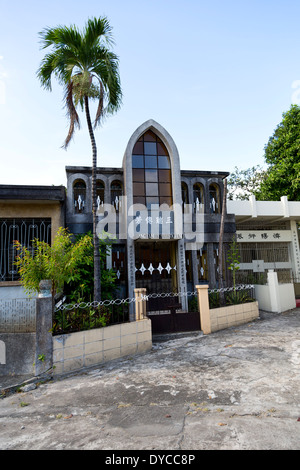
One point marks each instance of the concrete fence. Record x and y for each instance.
(214, 319)
(275, 297)
(28, 347)
(25, 336)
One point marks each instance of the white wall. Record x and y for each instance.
(275, 297)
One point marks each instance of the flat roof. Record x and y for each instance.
(187, 173)
(27, 192)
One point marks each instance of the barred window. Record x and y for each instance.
(24, 231)
(214, 195)
(116, 191)
(79, 193)
(269, 252)
(198, 196)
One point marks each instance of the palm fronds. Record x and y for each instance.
(76, 61)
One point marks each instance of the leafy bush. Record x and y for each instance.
(57, 262)
(81, 287)
(78, 319)
(232, 297)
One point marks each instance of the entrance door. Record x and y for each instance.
(156, 271)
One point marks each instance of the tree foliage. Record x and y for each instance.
(63, 262)
(233, 257)
(84, 65)
(56, 262)
(81, 287)
(282, 155)
(282, 158)
(244, 183)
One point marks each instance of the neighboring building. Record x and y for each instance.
(268, 234)
(26, 212)
(166, 220)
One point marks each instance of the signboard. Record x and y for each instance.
(263, 236)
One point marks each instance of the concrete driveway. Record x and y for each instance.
(235, 389)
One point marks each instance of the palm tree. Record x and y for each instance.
(84, 65)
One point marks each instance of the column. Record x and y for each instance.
(131, 276)
(203, 303)
(211, 266)
(140, 303)
(44, 341)
(181, 273)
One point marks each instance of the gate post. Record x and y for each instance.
(203, 304)
(44, 341)
(140, 303)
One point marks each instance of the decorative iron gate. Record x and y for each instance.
(157, 272)
(23, 230)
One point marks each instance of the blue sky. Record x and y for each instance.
(216, 74)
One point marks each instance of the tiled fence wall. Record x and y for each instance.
(86, 348)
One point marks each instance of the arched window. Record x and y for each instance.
(151, 171)
(198, 198)
(99, 194)
(79, 195)
(214, 199)
(116, 192)
(184, 195)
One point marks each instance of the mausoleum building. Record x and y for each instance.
(164, 220)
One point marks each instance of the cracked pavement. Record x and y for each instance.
(236, 389)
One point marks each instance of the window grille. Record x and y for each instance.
(116, 193)
(269, 252)
(79, 193)
(198, 196)
(24, 231)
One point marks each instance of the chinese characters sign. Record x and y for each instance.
(263, 236)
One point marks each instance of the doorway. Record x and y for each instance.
(156, 270)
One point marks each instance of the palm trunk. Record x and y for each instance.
(97, 268)
(222, 297)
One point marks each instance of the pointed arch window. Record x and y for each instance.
(151, 171)
(79, 196)
(198, 198)
(116, 191)
(214, 199)
(99, 194)
(184, 195)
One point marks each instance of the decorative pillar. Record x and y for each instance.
(131, 276)
(211, 265)
(274, 291)
(203, 304)
(140, 303)
(44, 342)
(181, 272)
(295, 251)
(195, 267)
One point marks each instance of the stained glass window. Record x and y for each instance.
(151, 171)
